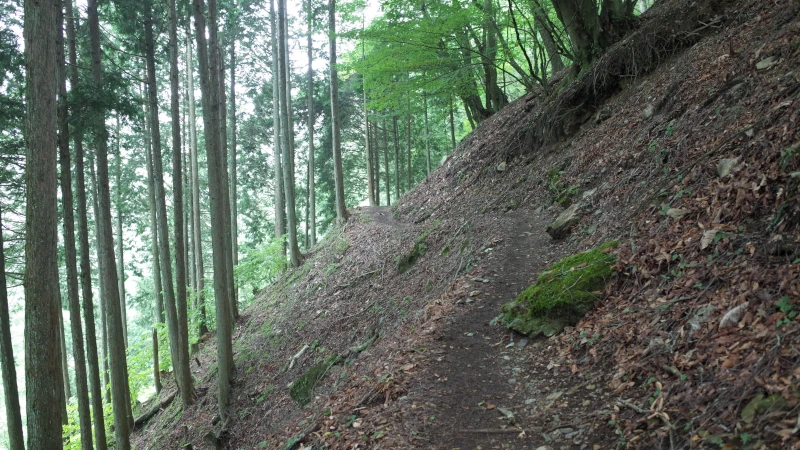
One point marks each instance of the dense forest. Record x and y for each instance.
(162, 162)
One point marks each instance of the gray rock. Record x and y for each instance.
(561, 227)
(767, 63)
(501, 167)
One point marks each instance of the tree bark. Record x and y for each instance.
(543, 26)
(198, 228)
(311, 216)
(120, 259)
(178, 346)
(408, 143)
(338, 174)
(64, 365)
(119, 367)
(277, 144)
(70, 252)
(386, 164)
(185, 383)
(16, 440)
(226, 200)
(85, 265)
(288, 161)
(234, 177)
(427, 135)
(42, 364)
(396, 160)
(209, 81)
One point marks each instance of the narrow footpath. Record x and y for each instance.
(487, 387)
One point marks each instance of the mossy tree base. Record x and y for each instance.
(562, 294)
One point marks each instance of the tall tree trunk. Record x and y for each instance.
(234, 177)
(277, 144)
(151, 200)
(64, 365)
(101, 283)
(386, 164)
(495, 97)
(42, 365)
(179, 352)
(16, 440)
(545, 31)
(582, 24)
(396, 160)
(375, 161)
(120, 259)
(85, 265)
(208, 83)
(119, 366)
(311, 216)
(338, 174)
(223, 136)
(198, 228)
(182, 319)
(427, 135)
(452, 126)
(408, 143)
(70, 252)
(288, 161)
(370, 177)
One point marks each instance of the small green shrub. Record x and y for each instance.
(562, 294)
(260, 267)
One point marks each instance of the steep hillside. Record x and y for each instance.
(682, 144)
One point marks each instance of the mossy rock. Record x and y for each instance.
(562, 294)
(302, 387)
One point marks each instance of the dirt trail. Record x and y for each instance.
(485, 385)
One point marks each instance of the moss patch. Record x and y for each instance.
(562, 294)
(405, 262)
(301, 389)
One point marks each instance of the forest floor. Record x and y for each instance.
(693, 167)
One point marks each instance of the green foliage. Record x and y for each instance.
(562, 192)
(260, 267)
(562, 294)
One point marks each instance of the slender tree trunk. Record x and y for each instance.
(277, 144)
(234, 177)
(223, 120)
(101, 283)
(180, 358)
(209, 81)
(288, 176)
(408, 143)
(96, 388)
(64, 365)
(338, 174)
(543, 26)
(120, 260)
(386, 164)
(311, 216)
(427, 135)
(370, 176)
(452, 126)
(185, 383)
(159, 298)
(396, 160)
(376, 159)
(119, 367)
(70, 253)
(16, 440)
(42, 365)
(198, 241)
